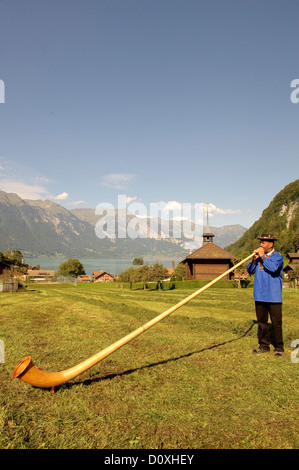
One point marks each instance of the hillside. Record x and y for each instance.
(281, 217)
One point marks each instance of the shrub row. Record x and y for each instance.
(194, 285)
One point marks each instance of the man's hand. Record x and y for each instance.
(257, 253)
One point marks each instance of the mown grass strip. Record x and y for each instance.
(189, 382)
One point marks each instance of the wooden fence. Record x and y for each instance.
(8, 286)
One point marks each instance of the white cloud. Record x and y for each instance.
(62, 196)
(130, 199)
(23, 190)
(117, 180)
(216, 210)
(25, 182)
(172, 206)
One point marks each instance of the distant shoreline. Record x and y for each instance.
(113, 266)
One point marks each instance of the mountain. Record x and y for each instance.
(44, 228)
(281, 218)
(160, 229)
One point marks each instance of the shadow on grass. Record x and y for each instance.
(96, 378)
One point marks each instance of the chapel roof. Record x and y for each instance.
(209, 251)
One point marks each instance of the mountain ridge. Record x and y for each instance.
(43, 227)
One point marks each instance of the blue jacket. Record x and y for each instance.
(268, 278)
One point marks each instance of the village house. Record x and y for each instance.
(293, 263)
(84, 278)
(170, 272)
(209, 261)
(39, 275)
(102, 276)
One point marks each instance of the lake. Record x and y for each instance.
(111, 266)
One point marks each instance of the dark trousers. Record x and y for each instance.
(263, 310)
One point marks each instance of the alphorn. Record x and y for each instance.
(27, 371)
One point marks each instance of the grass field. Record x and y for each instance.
(190, 382)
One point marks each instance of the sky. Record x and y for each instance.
(185, 102)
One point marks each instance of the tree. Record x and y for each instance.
(142, 274)
(180, 272)
(158, 274)
(7, 275)
(138, 261)
(145, 274)
(13, 257)
(128, 276)
(72, 267)
(294, 276)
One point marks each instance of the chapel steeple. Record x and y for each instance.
(207, 234)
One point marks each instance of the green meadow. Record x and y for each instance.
(190, 382)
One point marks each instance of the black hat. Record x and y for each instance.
(269, 237)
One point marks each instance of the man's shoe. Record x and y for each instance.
(260, 350)
(279, 353)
